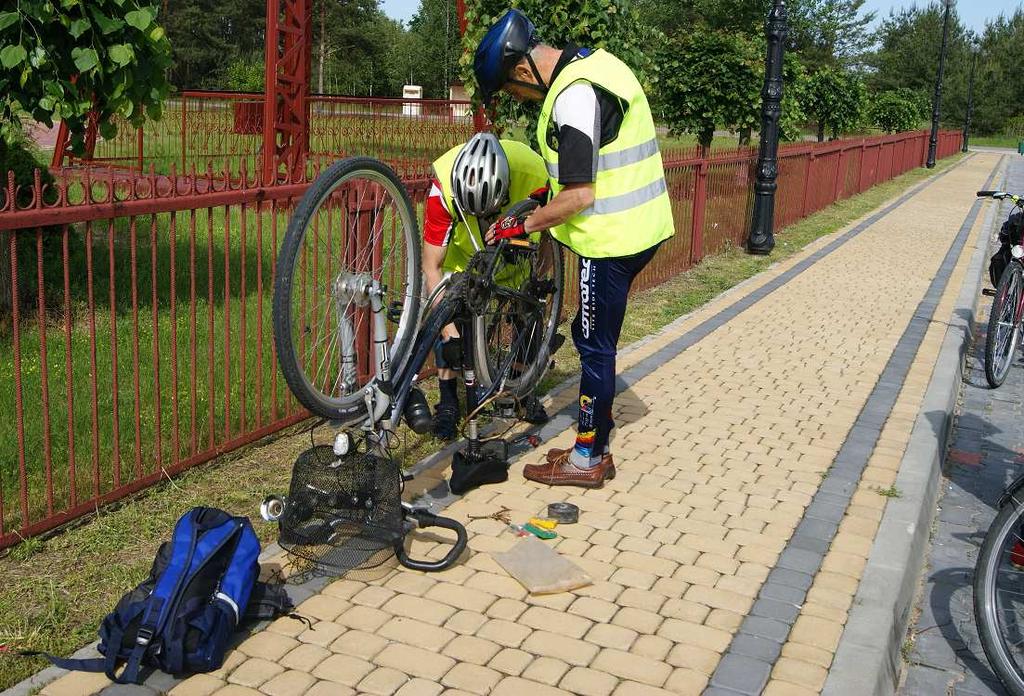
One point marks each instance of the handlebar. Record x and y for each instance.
(424, 518)
(1000, 195)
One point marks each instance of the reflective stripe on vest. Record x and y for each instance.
(631, 210)
(614, 160)
(526, 175)
(626, 201)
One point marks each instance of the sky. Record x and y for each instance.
(400, 9)
(973, 12)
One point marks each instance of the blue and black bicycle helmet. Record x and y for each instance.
(503, 46)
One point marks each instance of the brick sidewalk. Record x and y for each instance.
(720, 452)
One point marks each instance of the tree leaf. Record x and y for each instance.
(11, 56)
(7, 19)
(106, 24)
(78, 27)
(108, 130)
(121, 54)
(140, 19)
(85, 58)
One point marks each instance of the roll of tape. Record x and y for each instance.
(565, 513)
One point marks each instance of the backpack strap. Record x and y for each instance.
(183, 544)
(267, 602)
(106, 664)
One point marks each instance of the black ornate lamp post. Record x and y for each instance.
(761, 239)
(933, 141)
(970, 96)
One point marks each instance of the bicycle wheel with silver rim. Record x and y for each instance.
(1004, 325)
(354, 228)
(512, 344)
(999, 597)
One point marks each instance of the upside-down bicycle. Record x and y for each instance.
(353, 332)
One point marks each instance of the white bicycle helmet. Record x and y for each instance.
(480, 176)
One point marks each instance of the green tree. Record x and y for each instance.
(59, 60)
(908, 48)
(709, 80)
(347, 43)
(208, 35)
(998, 88)
(895, 111)
(835, 99)
(822, 32)
(435, 32)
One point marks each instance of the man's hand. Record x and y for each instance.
(506, 227)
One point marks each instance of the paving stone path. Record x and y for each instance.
(754, 438)
(985, 455)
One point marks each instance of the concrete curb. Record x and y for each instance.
(868, 658)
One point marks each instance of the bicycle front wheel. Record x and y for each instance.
(1004, 325)
(998, 597)
(512, 345)
(354, 226)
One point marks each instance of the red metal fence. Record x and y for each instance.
(135, 309)
(227, 128)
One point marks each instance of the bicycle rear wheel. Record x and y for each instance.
(507, 334)
(354, 225)
(1004, 325)
(999, 597)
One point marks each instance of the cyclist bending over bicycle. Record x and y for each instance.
(472, 183)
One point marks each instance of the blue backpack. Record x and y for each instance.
(203, 583)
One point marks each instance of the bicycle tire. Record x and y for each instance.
(487, 363)
(363, 257)
(998, 360)
(986, 608)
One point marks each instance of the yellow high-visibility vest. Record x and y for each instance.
(631, 210)
(526, 174)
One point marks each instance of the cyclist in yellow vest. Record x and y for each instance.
(610, 205)
(481, 179)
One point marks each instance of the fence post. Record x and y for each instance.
(700, 196)
(807, 185)
(839, 176)
(139, 144)
(860, 167)
(184, 128)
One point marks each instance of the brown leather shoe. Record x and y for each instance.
(562, 472)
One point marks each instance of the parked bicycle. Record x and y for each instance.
(999, 572)
(352, 332)
(1004, 321)
(999, 590)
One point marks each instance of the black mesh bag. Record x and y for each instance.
(343, 512)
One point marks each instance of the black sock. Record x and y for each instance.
(449, 392)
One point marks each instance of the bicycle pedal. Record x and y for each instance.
(988, 292)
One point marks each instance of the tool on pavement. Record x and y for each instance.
(566, 513)
(539, 532)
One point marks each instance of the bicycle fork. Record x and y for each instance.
(361, 290)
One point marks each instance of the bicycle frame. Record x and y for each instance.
(386, 395)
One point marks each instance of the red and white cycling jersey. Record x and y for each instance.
(438, 223)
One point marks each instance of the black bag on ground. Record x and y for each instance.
(203, 584)
(1009, 234)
